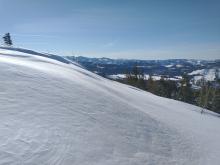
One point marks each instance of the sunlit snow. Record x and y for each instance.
(57, 113)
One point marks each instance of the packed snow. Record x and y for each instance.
(56, 113)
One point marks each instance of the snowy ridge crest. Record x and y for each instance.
(55, 112)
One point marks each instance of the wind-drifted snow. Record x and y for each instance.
(52, 112)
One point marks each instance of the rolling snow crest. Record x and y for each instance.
(54, 112)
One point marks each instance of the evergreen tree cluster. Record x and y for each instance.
(207, 97)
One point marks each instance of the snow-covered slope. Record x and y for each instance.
(207, 74)
(55, 112)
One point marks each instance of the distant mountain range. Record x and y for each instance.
(172, 68)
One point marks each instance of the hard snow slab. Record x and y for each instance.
(55, 112)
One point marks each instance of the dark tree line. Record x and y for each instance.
(207, 97)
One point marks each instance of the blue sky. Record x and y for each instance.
(138, 29)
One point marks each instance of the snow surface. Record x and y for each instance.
(196, 72)
(169, 66)
(57, 113)
(179, 66)
(208, 74)
(117, 76)
(146, 77)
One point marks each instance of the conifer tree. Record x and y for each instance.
(216, 101)
(7, 39)
(151, 85)
(185, 91)
(135, 72)
(206, 92)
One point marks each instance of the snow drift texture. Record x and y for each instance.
(55, 112)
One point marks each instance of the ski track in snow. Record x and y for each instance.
(61, 114)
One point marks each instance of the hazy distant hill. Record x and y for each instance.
(170, 68)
